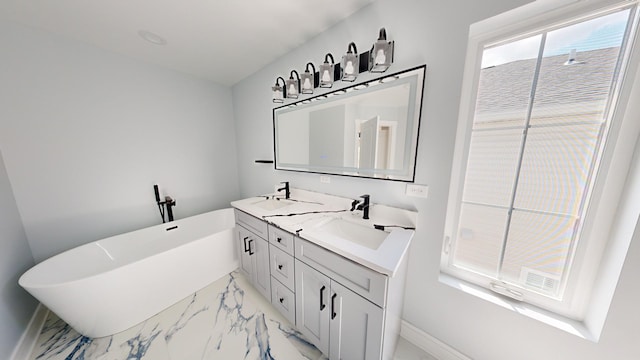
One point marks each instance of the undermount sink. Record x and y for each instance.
(362, 235)
(272, 203)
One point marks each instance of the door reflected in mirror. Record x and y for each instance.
(367, 130)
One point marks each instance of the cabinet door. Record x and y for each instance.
(261, 276)
(243, 236)
(356, 326)
(312, 305)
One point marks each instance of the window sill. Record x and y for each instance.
(571, 326)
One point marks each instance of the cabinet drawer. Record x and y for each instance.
(282, 267)
(284, 300)
(254, 224)
(367, 283)
(281, 239)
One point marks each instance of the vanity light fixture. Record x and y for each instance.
(309, 80)
(350, 63)
(381, 53)
(293, 86)
(328, 72)
(279, 92)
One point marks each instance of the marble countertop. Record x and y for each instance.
(305, 213)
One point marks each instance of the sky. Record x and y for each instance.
(603, 32)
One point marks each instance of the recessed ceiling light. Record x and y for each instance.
(152, 38)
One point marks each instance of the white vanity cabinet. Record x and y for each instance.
(338, 321)
(347, 310)
(253, 251)
(342, 307)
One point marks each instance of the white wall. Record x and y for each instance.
(86, 133)
(435, 33)
(16, 305)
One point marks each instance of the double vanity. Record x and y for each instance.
(333, 274)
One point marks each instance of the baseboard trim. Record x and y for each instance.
(429, 344)
(28, 340)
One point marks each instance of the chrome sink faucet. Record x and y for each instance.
(287, 193)
(362, 205)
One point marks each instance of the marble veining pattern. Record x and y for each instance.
(227, 320)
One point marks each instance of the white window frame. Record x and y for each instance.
(602, 241)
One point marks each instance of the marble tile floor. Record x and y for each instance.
(226, 320)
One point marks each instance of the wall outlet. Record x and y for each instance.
(325, 179)
(416, 190)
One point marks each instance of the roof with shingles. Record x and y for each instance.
(504, 90)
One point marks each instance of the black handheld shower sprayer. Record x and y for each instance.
(168, 202)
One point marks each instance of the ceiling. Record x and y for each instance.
(220, 40)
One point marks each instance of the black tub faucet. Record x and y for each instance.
(168, 202)
(362, 205)
(287, 193)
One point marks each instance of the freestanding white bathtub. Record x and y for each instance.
(110, 285)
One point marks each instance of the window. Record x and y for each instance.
(531, 157)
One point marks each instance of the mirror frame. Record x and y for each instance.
(409, 175)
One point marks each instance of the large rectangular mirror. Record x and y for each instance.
(367, 130)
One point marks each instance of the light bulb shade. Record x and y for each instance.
(293, 88)
(350, 66)
(381, 56)
(307, 83)
(326, 75)
(278, 94)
